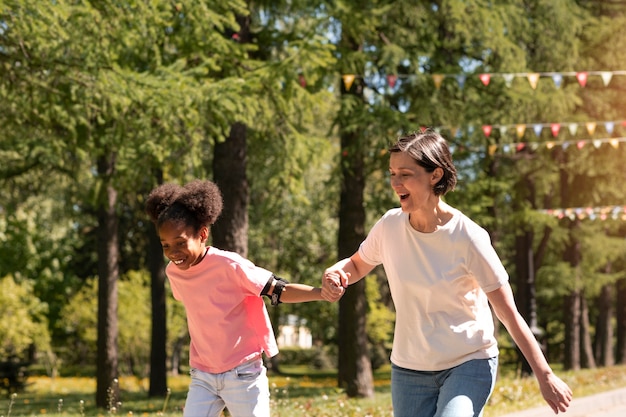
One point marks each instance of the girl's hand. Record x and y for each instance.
(333, 285)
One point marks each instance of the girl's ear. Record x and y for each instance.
(204, 233)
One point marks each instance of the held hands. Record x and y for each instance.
(556, 392)
(334, 284)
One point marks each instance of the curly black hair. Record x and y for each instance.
(198, 203)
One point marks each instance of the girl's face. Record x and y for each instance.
(181, 245)
(411, 182)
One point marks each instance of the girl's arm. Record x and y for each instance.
(556, 392)
(300, 293)
(278, 290)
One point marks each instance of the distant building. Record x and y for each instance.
(294, 333)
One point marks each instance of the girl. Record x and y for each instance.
(221, 291)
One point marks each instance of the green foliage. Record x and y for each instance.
(24, 324)
(78, 324)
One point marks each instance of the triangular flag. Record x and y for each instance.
(558, 79)
(565, 145)
(520, 129)
(503, 130)
(485, 78)
(537, 128)
(591, 127)
(508, 79)
(534, 146)
(609, 126)
(573, 127)
(550, 145)
(348, 79)
(301, 80)
(582, 78)
(555, 128)
(391, 80)
(606, 77)
(487, 130)
(438, 79)
(520, 146)
(461, 80)
(581, 144)
(614, 143)
(492, 149)
(597, 143)
(454, 131)
(533, 79)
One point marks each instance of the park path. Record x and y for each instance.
(606, 404)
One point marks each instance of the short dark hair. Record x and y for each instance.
(430, 151)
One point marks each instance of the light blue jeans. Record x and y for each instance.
(244, 390)
(461, 391)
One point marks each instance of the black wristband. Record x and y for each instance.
(279, 286)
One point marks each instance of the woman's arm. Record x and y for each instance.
(556, 392)
(345, 272)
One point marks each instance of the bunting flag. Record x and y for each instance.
(582, 77)
(592, 213)
(348, 79)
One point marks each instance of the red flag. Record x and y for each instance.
(485, 78)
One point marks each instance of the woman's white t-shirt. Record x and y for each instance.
(438, 283)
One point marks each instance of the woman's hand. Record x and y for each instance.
(334, 283)
(556, 392)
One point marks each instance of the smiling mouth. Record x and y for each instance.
(403, 196)
(178, 261)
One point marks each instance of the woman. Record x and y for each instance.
(443, 273)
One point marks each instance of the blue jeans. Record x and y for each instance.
(461, 391)
(244, 390)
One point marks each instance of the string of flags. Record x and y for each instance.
(555, 128)
(520, 146)
(592, 213)
(533, 78)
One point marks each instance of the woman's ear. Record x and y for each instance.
(436, 175)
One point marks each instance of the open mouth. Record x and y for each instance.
(403, 196)
(178, 261)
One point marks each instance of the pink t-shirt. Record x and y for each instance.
(226, 316)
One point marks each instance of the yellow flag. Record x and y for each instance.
(348, 79)
(533, 79)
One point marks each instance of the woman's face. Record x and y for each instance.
(181, 245)
(411, 182)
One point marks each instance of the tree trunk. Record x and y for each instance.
(230, 160)
(525, 292)
(621, 321)
(571, 359)
(355, 370)
(587, 359)
(604, 328)
(108, 274)
(158, 347)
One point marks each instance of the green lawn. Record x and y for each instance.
(300, 392)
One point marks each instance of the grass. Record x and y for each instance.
(300, 392)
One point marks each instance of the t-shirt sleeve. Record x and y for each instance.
(252, 278)
(484, 262)
(370, 249)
